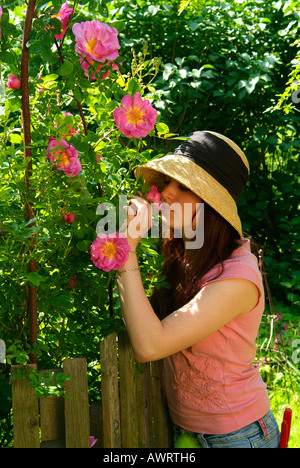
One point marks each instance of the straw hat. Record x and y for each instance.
(210, 165)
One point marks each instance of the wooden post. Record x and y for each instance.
(52, 415)
(144, 407)
(29, 212)
(25, 410)
(77, 404)
(110, 392)
(162, 427)
(96, 424)
(129, 422)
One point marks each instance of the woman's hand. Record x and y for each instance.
(139, 220)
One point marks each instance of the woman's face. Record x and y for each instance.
(180, 206)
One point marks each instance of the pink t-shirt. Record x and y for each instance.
(213, 387)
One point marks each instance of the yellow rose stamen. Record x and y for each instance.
(63, 159)
(135, 115)
(91, 45)
(109, 250)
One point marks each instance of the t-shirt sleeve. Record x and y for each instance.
(236, 268)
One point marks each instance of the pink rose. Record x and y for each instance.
(96, 41)
(69, 218)
(64, 157)
(71, 130)
(13, 82)
(63, 15)
(93, 441)
(72, 282)
(135, 117)
(154, 196)
(110, 252)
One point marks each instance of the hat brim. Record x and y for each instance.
(196, 179)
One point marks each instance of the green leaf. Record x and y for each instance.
(78, 94)
(7, 57)
(162, 128)
(15, 139)
(50, 78)
(133, 86)
(66, 68)
(35, 279)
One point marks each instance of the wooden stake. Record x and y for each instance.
(129, 421)
(110, 392)
(25, 410)
(29, 214)
(162, 427)
(77, 420)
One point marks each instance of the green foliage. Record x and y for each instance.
(75, 310)
(278, 358)
(233, 59)
(72, 294)
(44, 384)
(229, 67)
(280, 402)
(186, 441)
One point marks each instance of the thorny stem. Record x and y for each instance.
(82, 116)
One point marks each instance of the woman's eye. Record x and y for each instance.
(168, 180)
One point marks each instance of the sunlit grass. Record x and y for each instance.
(279, 402)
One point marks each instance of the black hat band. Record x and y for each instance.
(218, 159)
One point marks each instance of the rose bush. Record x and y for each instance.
(79, 159)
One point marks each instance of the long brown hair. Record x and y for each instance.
(183, 271)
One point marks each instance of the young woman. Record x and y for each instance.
(205, 324)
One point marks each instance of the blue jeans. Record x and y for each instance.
(263, 433)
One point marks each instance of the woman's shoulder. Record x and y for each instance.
(243, 254)
(242, 264)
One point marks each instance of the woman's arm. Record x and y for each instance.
(214, 306)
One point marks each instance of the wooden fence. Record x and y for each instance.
(133, 413)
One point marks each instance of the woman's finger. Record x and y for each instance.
(131, 210)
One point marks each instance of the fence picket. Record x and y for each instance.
(110, 392)
(133, 412)
(52, 414)
(77, 404)
(129, 423)
(25, 410)
(143, 401)
(162, 426)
